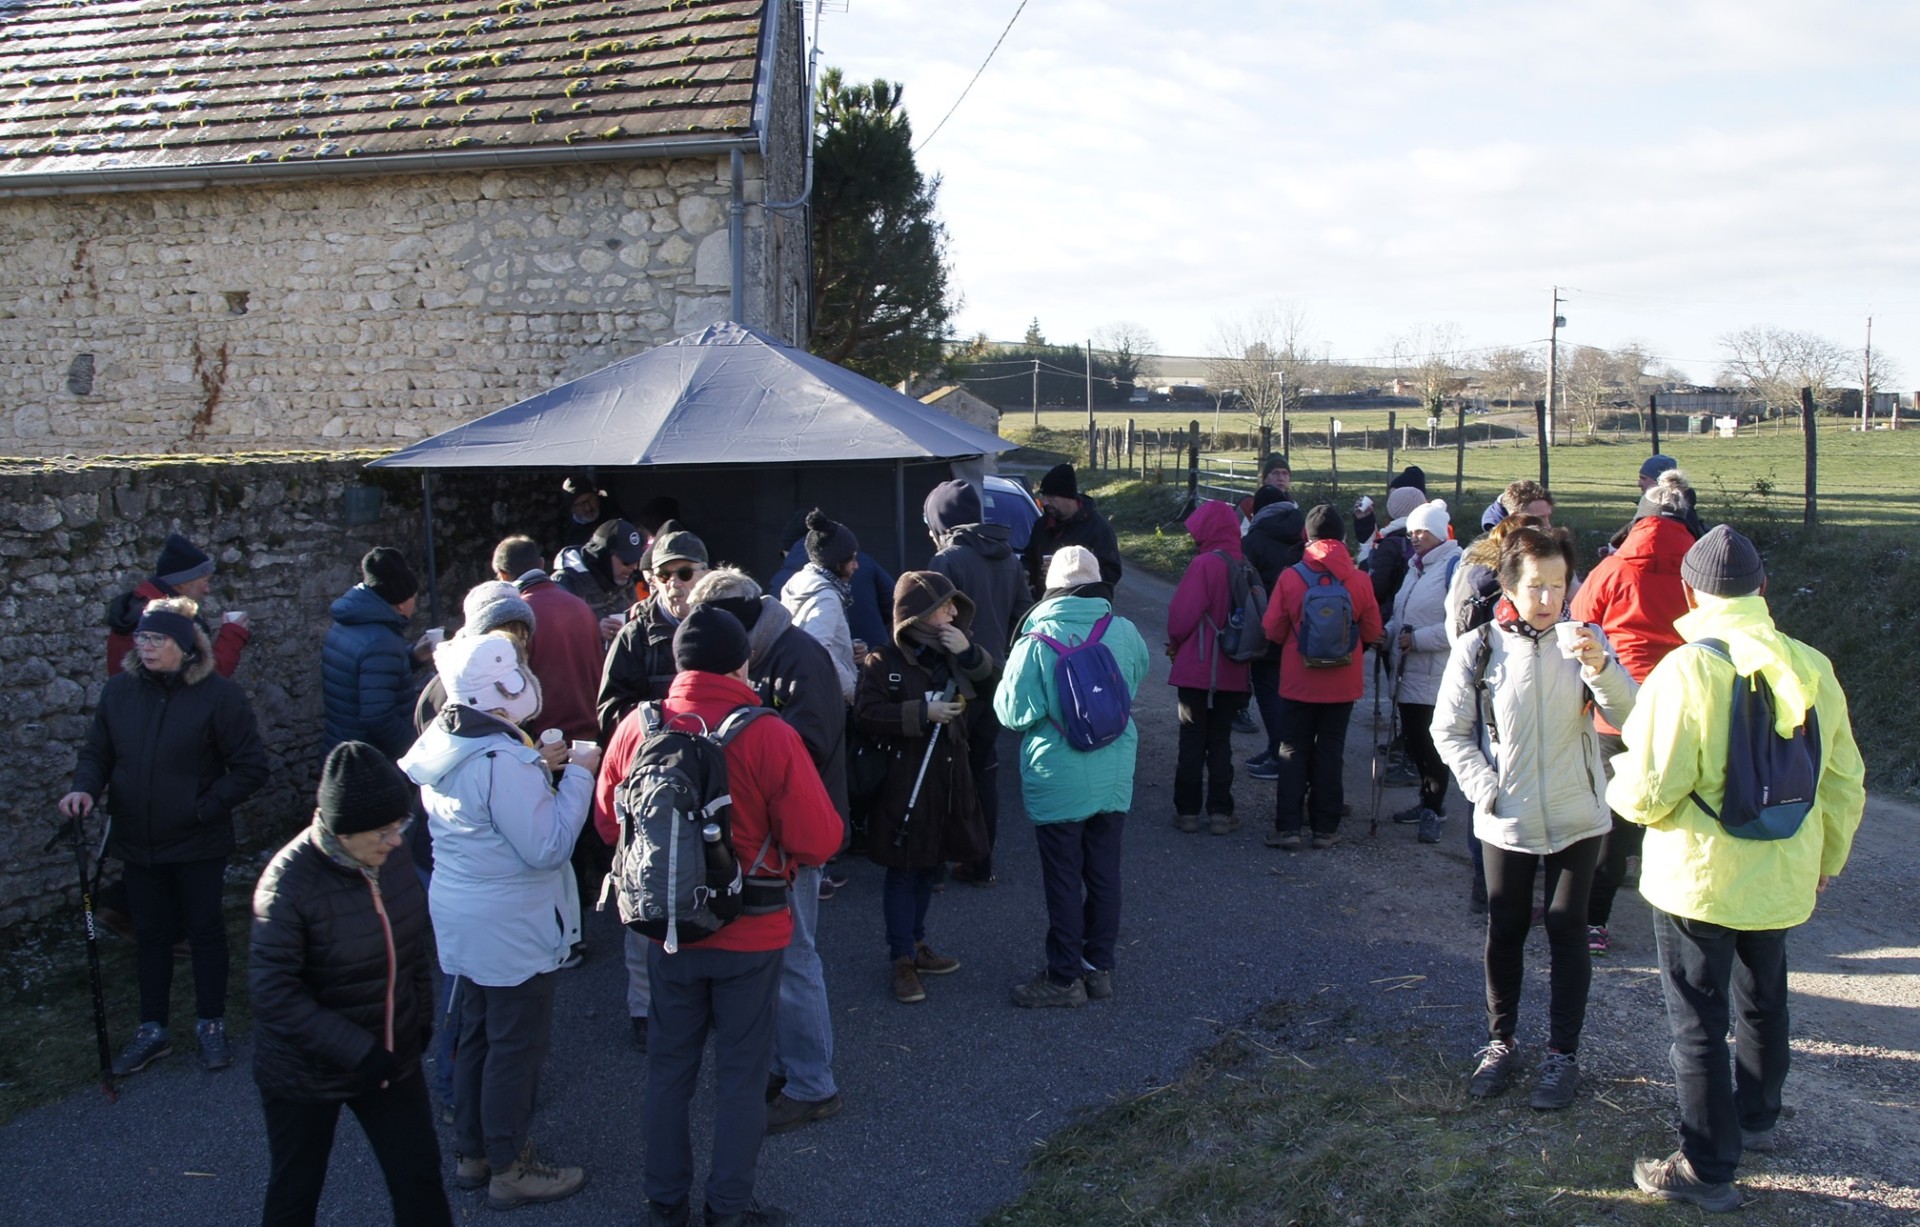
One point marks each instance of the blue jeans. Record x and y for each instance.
(1718, 1098)
(803, 1032)
(904, 897)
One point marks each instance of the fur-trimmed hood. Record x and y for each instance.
(192, 672)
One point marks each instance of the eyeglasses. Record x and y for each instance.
(684, 575)
(150, 639)
(395, 833)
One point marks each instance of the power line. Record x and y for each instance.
(976, 76)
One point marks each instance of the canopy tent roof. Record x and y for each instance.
(725, 395)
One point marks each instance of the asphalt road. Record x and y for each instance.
(945, 1099)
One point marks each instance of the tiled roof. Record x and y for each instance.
(92, 85)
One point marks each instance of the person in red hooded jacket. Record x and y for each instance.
(728, 985)
(1634, 594)
(1313, 732)
(1212, 689)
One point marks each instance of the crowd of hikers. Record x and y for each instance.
(620, 724)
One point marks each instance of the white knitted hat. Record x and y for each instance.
(1072, 566)
(1430, 516)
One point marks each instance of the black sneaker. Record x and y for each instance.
(786, 1113)
(659, 1214)
(1673, 1179)
(1263, 767)
(1495, 1070)
(1431, 826)
(1410, 815)
(149, 1044)
(1764, 1142)
(1558, 1081)
(639, 1025)
(755, 1215)
(1099, 982)
(1243, 723)
(215, 1051)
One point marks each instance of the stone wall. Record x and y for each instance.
(72, 538)
(335, 313)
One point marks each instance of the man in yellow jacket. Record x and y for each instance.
(1722, 905)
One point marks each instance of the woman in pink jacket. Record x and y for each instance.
(1213, 690)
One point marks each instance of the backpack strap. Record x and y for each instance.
(1482, 701)
(1713, 647)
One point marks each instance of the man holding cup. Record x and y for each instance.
(183, 570)
(367, 686)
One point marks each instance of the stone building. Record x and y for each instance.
(228, 225)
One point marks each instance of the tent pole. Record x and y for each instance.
(900, 509)
(433, 571)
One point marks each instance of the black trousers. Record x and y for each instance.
(164, 901)
(1623, 841)
(1313, 747)
(1510, 916)
(983, 760)
(504, 1036)
(1206, 747)
(1416, 733)
(1080, 872)
(399, 1127)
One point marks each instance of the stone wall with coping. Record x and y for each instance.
(340, 313)
(74, 537)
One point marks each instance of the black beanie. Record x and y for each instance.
(385, 573)
(361, 790)
(1324, 524)
(710, 641)
(181, 562)
(1413, 475)
(1267, 496)
(829, 545)
(1060, 482)
(1723, 563)
(745, 608)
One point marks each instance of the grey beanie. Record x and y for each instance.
(1723, 563)
(492, 605)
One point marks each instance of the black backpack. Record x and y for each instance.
(675, 876)
(1483, 594)
(1771, 780)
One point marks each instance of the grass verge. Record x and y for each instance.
(46, 1004)
(1292, 1119)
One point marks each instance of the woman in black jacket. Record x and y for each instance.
(174, 748)
(1275, 540)
(343, 994)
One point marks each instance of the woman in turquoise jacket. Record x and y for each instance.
(1077, 799)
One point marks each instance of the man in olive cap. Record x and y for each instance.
(1723, 904)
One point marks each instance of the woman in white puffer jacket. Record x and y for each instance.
(1512, 721)
(1420, 641)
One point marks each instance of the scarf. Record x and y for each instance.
(843, 586)
(338, 854)
(1508, 619)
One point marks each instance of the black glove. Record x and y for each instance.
(377, 1066)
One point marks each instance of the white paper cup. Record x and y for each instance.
(233, 615)
(1568, 635)
(619, 619)
(583, 747)
(551, 737)
(434, 635)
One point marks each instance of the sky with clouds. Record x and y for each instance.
(1683, 167)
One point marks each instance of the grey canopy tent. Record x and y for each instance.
(740, 428)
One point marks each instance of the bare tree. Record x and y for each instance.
(1432, 355)
(1773, 364)
(1516, 372)
(1263, 357)
(1129, 347)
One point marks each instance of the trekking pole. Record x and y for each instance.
(88, 885)
(913, 798)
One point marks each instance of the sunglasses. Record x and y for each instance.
(684, 575)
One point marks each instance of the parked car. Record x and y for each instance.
(1006, 500)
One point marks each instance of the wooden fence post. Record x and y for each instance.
(1392, 417)
(1459, 451)
(1540, 433)
(1653, 415)
(1333, 456)
(1193, 464)
(1807, 424)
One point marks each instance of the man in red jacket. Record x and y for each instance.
(728, 985)
(183, 569)
(1313, 728)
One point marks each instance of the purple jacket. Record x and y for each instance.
(1203, 602)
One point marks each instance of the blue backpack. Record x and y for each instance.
(1771, 780)
(1328, 631)
(1094, 700)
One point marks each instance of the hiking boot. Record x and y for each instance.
(755, 1215)
(1263, 767)
(529, 1180)
(1401, 775)
(576, 955)
(786, 1113)
(1558, 1081)
(215, 1052)
(660, 1214)
(928, 963)
(1325, 839)
(835, 871)
(1630, 876)
(1431, 824)
(973, 875)
(471, 1173)
(149, 1044)
(1764, 1142)
(639, 1026)
(1222, 824)
(1598, 940)
(1243, 723)
(826, 889)
(1286, 841)
(907, 988)
(1495, 1070)
(1042, 991)
(1186, 823)
(1673, 1179)
(1410, 815)
(1099, 983)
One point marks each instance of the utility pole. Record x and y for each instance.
(1036, 392)
(1553, 365)
(1090, 428)
(1866, 381)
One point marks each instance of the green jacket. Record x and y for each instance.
(1060, 783)
(1676, 742)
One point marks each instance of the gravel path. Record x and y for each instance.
(945, 1099)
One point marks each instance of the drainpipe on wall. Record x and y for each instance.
(737, 237)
